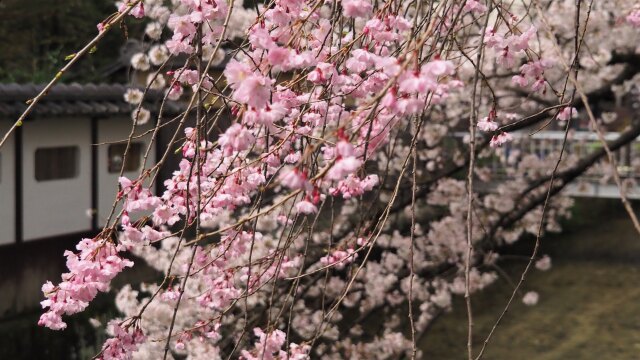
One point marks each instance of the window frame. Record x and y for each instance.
(44, 168)
(134, 157)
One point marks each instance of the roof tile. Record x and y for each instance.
(85, 99)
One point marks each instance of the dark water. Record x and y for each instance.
(22, 338)
(589, 305)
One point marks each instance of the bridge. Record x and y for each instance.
(597, 182)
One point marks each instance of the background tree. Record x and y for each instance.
(341, 189)
(37, 35)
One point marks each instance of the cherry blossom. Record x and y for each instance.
(309, 128)
(530, 298)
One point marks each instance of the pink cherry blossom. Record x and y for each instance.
(500, 139)
(294, 179)
(475, 6)
(123, 344)
(530, 298)
(254, 90)
(634, 18)
(544, 263)
(486, 125)
(339, 258)
(90, 271)
(567, 113)
(306, 207)
(356, 8)
(327, 106)
(323, 73)
(344, 167)
(236, 138)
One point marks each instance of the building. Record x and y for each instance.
(55, 179)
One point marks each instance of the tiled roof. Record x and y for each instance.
(75, 99)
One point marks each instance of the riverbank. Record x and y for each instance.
(588, 307)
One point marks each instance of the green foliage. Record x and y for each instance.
(37, 35)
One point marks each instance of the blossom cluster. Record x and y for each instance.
(90, 271)
(321, 176)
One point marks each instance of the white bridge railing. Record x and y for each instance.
(597, 181)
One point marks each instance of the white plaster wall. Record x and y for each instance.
(56, 207)
(111, 130)
(7, 187)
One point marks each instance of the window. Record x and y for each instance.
(116, 154)
(56, 163)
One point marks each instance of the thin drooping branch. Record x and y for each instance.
(473, 119)
(336, 108)
(572, 71)
(74, 58)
